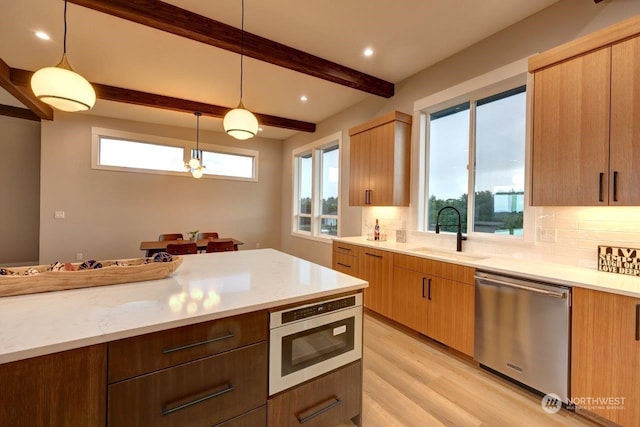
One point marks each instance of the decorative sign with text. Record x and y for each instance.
(619, 260)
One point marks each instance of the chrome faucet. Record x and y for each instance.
(459, 236)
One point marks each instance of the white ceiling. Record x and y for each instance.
(406, 35)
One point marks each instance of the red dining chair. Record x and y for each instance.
(174, 236)
(221, 246)
(182, 248)
(212, 235)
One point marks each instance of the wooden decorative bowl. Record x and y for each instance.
(112, 273)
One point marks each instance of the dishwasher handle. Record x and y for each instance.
(559, 295)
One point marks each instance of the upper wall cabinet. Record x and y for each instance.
(586, 98)
(380, 161)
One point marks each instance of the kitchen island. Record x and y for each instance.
(63, 352)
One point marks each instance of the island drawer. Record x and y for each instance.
(255, 418)
(199, 393)
(142, 354)
(326, 401)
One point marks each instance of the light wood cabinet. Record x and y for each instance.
(376, 267)
(435, 298)
(380, 154)
(345, 258)
(586, 98)
(329, 400)
(60, 389)
(605, 355)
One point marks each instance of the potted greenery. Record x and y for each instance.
(193, 235)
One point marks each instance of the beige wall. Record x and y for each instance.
(19, 190)
(562, 22)
(108, 213)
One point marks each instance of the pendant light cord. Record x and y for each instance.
(241, 49)
(198, 114)
(64, 43)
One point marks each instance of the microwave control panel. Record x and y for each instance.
(318, 309)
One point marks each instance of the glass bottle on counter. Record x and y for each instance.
(376, 231)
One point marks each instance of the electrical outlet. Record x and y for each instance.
(58, 214)
(79, 256)
(547, 235)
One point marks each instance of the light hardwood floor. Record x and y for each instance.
(412, 381)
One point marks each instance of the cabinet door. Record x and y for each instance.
(625, 126)
(60, 389)
(450, 316)
(570, 151)
(605, 355)
(360, 152)
(376, 267)
(410, 297)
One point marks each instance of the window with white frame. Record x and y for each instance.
(316, 188)
(475, 161)
(125, 151)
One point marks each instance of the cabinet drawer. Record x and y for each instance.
(199, 393)
(325, 401)
(147, 353)
(345, 248)
(254, 418)
(347, 264)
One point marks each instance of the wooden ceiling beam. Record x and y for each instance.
(18, 113)
(181, 22)
(134, 97)
(24, 94)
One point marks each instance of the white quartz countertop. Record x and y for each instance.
(204, 287)
(537, 270)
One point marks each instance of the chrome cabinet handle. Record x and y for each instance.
(196, 344)
(344, 249)
(423, 279)
(311, 416)
(228, 388)
(429, 291)
(344, 265)
(615, 186)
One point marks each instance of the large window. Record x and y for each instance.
(475, 163)
(316, 188)
(124, 151)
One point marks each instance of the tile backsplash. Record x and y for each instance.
(566, 235)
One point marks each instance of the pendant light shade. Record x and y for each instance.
(240, 123)
(60, 86)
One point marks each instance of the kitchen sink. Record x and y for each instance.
(448, 255)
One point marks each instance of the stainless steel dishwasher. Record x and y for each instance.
(522, 330)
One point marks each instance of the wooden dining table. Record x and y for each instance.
(155, 246)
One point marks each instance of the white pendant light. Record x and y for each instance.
(60, 86)
(240, 123)
(195, 164)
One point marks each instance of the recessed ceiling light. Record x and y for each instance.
(304, 98)
(259, 129)
(42, 35)
(368, 52)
